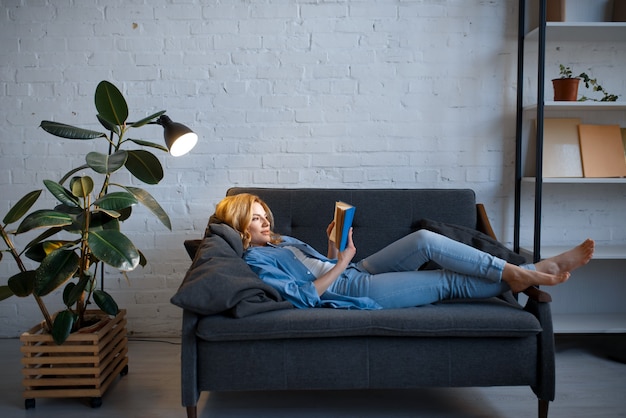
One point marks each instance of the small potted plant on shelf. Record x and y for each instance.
(566, 86)
(80, 235)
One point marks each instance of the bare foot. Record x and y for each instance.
(569, 260)
(520, 279)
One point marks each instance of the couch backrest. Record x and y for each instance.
(382, 215)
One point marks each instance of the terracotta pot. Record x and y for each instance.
(83, 366)
(565, 89)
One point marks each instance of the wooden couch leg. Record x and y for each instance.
(543, 408)
(192, 412)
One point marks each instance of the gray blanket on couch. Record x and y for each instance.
(220, 281)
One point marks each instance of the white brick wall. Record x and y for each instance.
(287, 93)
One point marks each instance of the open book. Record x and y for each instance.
(344, 215)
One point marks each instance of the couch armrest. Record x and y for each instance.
(484, 225)
(538, 295)
(546, 381)
(189, 359)
(482, 221)
(537, 304)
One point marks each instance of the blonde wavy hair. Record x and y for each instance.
(236, 211)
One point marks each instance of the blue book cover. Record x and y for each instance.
(344, 215)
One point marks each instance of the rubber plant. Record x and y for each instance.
(83, 231)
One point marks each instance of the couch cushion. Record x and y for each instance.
(305, 213)
(476, 318)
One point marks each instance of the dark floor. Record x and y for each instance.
(590, 383)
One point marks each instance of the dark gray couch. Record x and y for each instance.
(238, 334)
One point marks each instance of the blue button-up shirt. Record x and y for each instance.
(281, 269)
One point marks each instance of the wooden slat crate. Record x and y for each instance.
(83, 366)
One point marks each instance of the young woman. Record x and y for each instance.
(389, 278)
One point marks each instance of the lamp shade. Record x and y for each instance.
(179, 139)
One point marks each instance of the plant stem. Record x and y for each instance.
(81, 306)
(22, 267)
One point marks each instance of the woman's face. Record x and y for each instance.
(259, 228)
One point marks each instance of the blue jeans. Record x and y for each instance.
(391, 276)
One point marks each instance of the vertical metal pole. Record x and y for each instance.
(541, 69)
(521, 23)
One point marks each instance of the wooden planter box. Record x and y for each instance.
(83, 366)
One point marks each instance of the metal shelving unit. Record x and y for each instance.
(561, 32)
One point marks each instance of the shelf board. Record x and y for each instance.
(581, 31)
(577, 180)
(602, 252)
(586, 105)
(589, 323)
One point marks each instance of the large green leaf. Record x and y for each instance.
(67, 131)
(73, 291)
(125, 214)
(41, 237)
(146, 119)
(110, 103)
(145, 166)
(104, 163)
(99, 220)
(61, 193)
(39, 251)
(110, 213)
(68, 297)
(105, 302)
(23, 283)
(36, 252)
(78, 222)
(81, 186)
(5, 292)
(149, 144)
(44, 218)
(113, 248)
(21, 207)
(109, 126)
(116, 201)
(62, 326)
(69, 210)
(150, 202)
(58, 267)
(143, 261)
